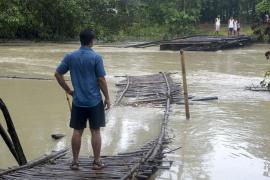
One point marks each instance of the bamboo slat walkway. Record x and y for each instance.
(197, 43)
(149, 90)
(158, 90)
(207, 43)
(258, 88)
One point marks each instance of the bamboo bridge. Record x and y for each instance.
(198, 43)
(257, 88)
(157, 90)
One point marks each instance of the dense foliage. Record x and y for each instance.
(62, 19)
(261, 28)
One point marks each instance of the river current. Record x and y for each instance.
(227, 139)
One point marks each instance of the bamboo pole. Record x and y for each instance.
(123, 93)
(13, 134)
(8, 142)
(185, 84)
(68, 101)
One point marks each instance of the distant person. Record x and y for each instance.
(217, 25)
(267, 19)
(230, 26)
(238, 28)
(88, 79)
(235, 23)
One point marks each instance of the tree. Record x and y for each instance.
(263, 7)
(10, 18)
(63, 19)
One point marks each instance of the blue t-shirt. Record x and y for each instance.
(85, 67)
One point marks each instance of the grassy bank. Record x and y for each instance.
(156, 32)
(148, 33)
(209, 29)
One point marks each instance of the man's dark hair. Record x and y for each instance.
(87, 36)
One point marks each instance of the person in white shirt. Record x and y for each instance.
(235, 22)
(267, 19)
(238, 27)
(230, 26)
(217, 24)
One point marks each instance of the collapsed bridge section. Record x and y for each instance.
(158, 90)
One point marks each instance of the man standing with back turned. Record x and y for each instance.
(88, 78)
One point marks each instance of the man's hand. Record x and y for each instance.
(61, 80)
(107, 104)
(103, 86)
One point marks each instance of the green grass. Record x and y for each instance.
(143, 33)
(156, 32)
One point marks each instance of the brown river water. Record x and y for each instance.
(226, 139)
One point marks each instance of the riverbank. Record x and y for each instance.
(34, 41)
(209, 29)
(142, 34)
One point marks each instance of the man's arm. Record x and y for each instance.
(104, 88)
(61, 81)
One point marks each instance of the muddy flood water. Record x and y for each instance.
(226, 139)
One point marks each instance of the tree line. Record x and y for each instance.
(63, 19)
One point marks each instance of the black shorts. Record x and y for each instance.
(95, 115)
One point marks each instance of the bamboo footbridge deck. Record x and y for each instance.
(258, 88)
(158, 90)
(198, 43)
(207, 43)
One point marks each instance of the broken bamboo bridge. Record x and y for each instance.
(157, 90)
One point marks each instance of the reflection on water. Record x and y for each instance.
(226, 139)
